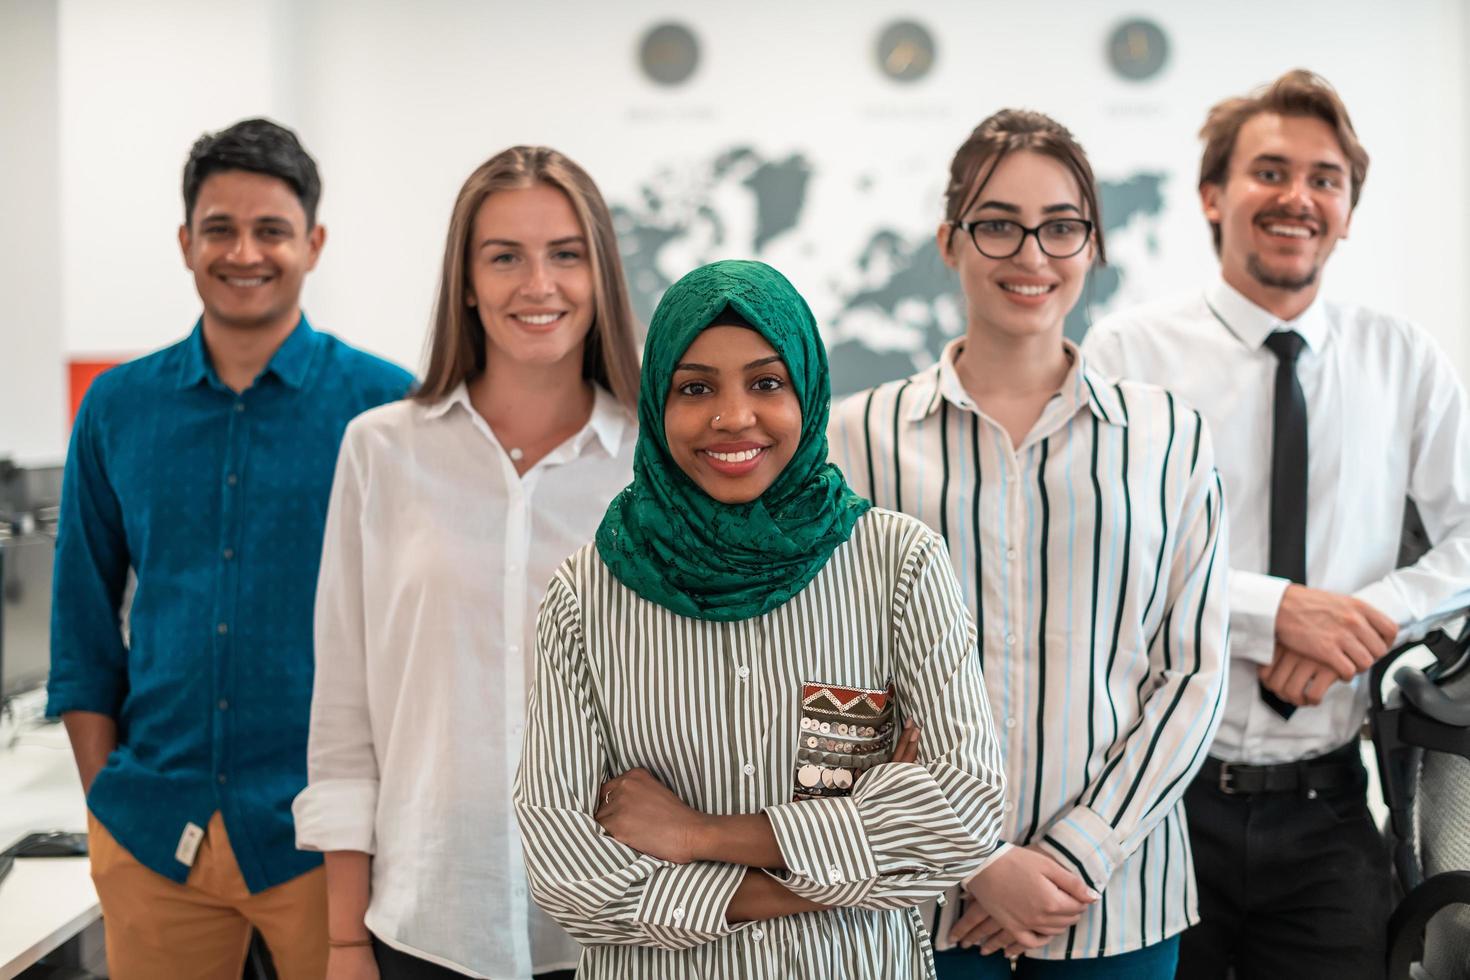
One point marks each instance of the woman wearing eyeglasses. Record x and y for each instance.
(1084, 521)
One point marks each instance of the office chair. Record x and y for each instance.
(1421, 735)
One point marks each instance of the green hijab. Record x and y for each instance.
(673, 544)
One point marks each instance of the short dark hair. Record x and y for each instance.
(258, 146)
(1296, 93)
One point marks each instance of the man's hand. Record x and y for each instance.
(1343, 634)
(351, 963)
(1296, 679)
(93, 737)
(1019, 901)
(638, 810)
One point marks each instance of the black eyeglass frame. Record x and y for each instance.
(968, 227)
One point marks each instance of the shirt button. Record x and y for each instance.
(223, 628)
(1008, 806)
(1010, 639)
(748, 769)
(757, 934)
(232, 479)
(222, 778)
(834, 875)
(229, 553)
(1010, 723)
(224, 704)
(678, 915)
(239, 406)
(742, 671)
(1010, 554)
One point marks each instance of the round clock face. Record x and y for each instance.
(905, 51)
(1138, 49)
(669, 53)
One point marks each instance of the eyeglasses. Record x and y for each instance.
(1000, 238)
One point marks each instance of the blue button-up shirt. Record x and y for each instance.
(217, 502)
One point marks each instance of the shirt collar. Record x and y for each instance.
(1081, 386)
(609, 423)
(290, 362)
(1251, 325)
(610, 420)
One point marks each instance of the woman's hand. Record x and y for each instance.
(1019, 902)
(351, 963)
(639, 811)
(906, 749)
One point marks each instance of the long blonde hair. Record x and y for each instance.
(457, 340)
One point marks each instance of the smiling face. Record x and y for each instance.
(732, 419)
(1030, 293)
(530, 276)
(1285, 202)
(249, 248)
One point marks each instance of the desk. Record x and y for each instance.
(44, 901)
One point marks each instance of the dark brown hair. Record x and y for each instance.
(1009, 131)
(1297, 93)
(457, 339)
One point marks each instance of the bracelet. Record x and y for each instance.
(348, 943)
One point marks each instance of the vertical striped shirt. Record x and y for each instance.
(719, 713)
(1093, 558)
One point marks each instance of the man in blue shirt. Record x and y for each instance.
(204, 469)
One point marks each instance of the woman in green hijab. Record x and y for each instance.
(722, 774)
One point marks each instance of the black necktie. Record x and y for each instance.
(1288, 476)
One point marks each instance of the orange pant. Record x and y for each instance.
(200, 930)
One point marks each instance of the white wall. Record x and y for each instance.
(32, 380)
(399, 101)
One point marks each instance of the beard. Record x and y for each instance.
(1273, 280)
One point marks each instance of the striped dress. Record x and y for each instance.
(1093, 557)
(742, 718)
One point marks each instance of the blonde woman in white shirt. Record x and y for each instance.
(450, 512)
(1085, 522)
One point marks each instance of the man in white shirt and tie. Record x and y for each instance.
(1326, 418)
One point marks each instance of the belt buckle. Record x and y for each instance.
(1226, 781)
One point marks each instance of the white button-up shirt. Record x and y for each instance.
(437, 555)
(1386, 419)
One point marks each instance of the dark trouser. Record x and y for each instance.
(396, 965)
(1154, 962)
(1292, 884)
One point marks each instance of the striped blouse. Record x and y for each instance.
(1094, 559)
(740, 718)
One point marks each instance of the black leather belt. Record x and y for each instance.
(1339, 769)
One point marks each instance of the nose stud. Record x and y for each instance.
(715, 420)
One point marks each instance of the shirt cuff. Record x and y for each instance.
(1004, 848)
(61, 698)
(1254, 600)
(823, 840)
(1384, 596)
(1084, 842)
(690, 898)
(337, 815)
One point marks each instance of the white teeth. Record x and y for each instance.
(1290, 231)
(539, 319)
(741, 457)
(1025, 290)
(257, 281)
